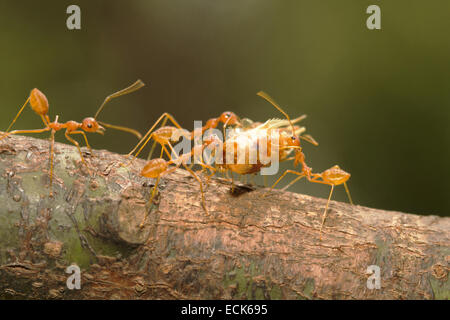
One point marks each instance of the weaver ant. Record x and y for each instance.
(39, 103)
(288, 141)
(155, 168)
(333, 177)
(167, 134)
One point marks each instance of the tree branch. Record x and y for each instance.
(251, 246)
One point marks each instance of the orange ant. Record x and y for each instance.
(245, 129)
(333, 177)
(251, 139)
(288, 141)
(155, 168)
(39, 103)
(167, 134)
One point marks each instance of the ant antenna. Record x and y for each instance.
(309, 139)
(135, 86)
(265, 96)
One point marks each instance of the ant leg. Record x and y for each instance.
(79, 150)
(324, 216)
(232, 181)
(162, 151)
(155, 187)
(148, 136)
(163, 148)
(140, 149)
(292, 182)
(224, 128)
(145, 138)
(52, 152)
(200, 163)
(18, 114)
(154, 142)
(348, 193)
(315, 180)
(46, 121)
(201, 186)
(301, 174)
(200, 160)
(24, 131)
(212, 171)
(190, 171)
(85, 138)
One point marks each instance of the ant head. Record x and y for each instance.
(91, 125)
(293, 140)
(228, 117)
(335, 175)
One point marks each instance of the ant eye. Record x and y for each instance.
(89, 125)
(227, 115)
(294, 138)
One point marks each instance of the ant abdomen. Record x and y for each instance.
(154, 168)
(164, 134)
(38, 102)
(335, 176)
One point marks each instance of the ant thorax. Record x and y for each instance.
(55, 126)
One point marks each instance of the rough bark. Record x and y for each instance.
(250, 247)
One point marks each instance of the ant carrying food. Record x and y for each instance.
(333, 177)
(258, 137)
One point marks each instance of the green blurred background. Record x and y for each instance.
(378, 102)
